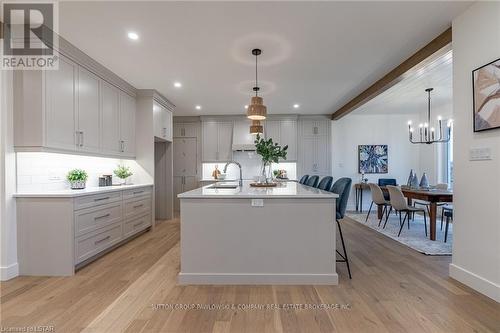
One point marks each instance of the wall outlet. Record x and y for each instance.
(480, 154)
(257, 202)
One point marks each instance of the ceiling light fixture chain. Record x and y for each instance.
(256, 110)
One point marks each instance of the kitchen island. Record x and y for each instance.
(247, 235)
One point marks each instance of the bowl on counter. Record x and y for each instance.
(221, 176)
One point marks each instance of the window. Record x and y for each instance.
(445, 161)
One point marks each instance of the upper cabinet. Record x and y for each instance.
(217, 137)
(189, 130)
(315, 147)
(284, 132)
(162, 123)
(71, 109)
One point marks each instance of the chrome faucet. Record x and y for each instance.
(239, 166)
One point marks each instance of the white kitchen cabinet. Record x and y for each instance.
(73, 110)
(60, 107)
(314, 155)
(186, 130)
(127, 124)
(60, 234)
(217, 140)
(183, 184)
(89, 106)
(185, 161)
(284, 132)
(110, 119)
(162, 123)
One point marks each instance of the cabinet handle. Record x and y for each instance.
(137, 206)
(137, 224)
(81, 144)
(315, 130)
(102, 216)
(100, 199)
(77, 138)
(123, 146)
(102, 240)
(164, 132)
(138, 192)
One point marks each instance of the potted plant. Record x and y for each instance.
(270, 152)
(123, 173)
(77, 179)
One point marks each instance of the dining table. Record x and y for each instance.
(432, 196)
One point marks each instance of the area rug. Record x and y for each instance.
(414, 237)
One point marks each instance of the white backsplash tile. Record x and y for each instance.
(47, 171)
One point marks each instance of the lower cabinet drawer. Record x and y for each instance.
(91, 244)
(135, 225)
(90, 219)
(137, 192)
(97, 199)
(136, 207)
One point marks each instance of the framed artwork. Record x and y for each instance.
(372, 159)
(486, 96)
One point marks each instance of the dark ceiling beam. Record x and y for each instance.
(437, 47)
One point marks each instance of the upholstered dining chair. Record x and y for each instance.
(325, 183)
(378, 199)
(312, 181)
(304, 178)
(399, 203)
(342, 187)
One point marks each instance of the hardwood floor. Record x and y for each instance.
(394, 289)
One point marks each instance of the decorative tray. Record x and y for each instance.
(263, 184)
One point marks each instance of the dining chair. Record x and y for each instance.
(342, 187)
(385, 182)
(448, 213)
(325, 183)
(427, 205)
(312, 181)
(304, 178)
(378, 199)
(399, 203)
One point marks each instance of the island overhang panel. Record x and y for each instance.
(254, 236)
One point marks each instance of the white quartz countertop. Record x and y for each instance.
(284, 190)
(69, 193)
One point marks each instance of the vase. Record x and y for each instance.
(414, 181)
(77, 185)
(266, 175)
(424, 182)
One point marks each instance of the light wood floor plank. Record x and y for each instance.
(394, 289)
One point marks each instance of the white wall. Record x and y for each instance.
(476, 230)
(354, 130)
(8, 230)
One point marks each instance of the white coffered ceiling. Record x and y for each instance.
(316, 54)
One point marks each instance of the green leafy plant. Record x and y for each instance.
(270, 151)
(122, 172)
(77, 175)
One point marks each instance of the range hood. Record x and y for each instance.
(242, 139)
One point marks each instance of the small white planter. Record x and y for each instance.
(77, 185)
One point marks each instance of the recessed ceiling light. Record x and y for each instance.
(133, 35)
(296, 106)
(198, 107)
(246, 106)
(177, 84)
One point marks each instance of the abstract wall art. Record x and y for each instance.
(372, 159)
(486, 96)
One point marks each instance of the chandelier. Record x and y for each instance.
(426, 135)
(256, 110)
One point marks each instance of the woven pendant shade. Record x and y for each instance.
(256, 110)
(256, 127)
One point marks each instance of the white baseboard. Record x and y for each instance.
(476, 282)
(248, 279)
(9, 272)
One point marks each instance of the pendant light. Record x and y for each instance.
(426, 135)
(256, 127)
(256, 110)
